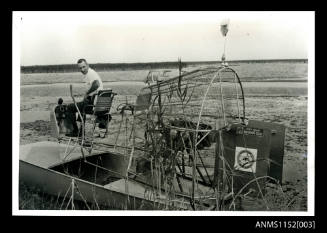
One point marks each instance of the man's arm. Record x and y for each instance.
(94, 86)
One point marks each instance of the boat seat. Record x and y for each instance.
(100, 110)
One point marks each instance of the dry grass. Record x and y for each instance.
(32, 198)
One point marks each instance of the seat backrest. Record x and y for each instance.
(143, 101)
(103, 101)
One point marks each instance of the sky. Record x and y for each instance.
(47, 38)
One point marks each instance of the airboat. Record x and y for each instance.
(185, 143)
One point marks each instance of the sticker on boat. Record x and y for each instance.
(245, 159)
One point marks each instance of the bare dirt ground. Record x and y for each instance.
(292, 113)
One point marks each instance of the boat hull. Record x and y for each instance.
(57, 184)
(41, 166)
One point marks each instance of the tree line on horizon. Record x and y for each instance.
(68, 68)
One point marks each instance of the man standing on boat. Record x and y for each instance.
(94, 84)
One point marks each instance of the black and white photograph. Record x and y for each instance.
(163, 113)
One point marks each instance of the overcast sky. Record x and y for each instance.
(113, 37)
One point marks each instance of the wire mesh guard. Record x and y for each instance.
(210, 96)
(177, 119)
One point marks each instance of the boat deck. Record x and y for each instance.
(134, 188)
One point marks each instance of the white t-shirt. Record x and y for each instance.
(90, 77)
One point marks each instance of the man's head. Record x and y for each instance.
(83, 66)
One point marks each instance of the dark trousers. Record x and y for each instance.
(83, 107)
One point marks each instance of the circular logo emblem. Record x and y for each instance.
(245, 159)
